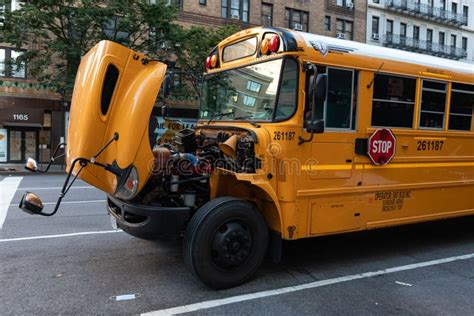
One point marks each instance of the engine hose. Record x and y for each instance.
(188, 180)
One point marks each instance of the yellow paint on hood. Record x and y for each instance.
(130, 108)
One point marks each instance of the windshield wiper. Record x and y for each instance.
(214, 116)
(244, 117)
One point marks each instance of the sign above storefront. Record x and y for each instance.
(21, 117)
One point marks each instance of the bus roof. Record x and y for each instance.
(362, 49)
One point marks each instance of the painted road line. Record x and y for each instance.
(61, 235)
(75, 202)
(252, 296)
(55, 188)
(8, 188)
(68, 202)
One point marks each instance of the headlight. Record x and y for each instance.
(127, 189)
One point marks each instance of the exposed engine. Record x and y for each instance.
(181, 169)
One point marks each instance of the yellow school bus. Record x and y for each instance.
(299, 135)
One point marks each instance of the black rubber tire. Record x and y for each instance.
(201, 231)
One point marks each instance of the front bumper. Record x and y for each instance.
(148, 222)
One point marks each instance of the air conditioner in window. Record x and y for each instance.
(235, 16)
(350, 5)
(298, 27)
(375, 36)
(341, 35)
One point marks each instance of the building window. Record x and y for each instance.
(11, 64)
(235, 9)
(111, 29)
(345, 3)
(441, 39)
(327, 23)
(267, 14)
(429, 35)
(375, 25)
(7, 6)
(462, 106)
(177, 3)
(2, 13)
(2, 62)
(442, 4)
(393, 102)
(464, 43)
(344, 29)
(389, 27)
(454, 7)
(253, 86)
(453, 41)
(296, 19)
(376, 1)
(203, 2)
(465, 12)
(433, 104)
(416, 32)
(403, 30)
(249, 101)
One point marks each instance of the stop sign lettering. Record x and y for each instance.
(381, 147)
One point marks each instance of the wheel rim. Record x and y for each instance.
(231, 245)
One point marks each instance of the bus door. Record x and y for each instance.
(328, 172)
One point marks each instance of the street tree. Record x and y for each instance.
(57, 33)
(193, 45)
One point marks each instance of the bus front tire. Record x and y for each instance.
(225, 242)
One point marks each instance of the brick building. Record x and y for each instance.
(341, 18)
(32, 114)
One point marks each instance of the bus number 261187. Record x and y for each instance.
(430, 145)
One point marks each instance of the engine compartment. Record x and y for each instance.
(181, 169)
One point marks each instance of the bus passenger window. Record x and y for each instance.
(341, 100)
(393, 101)
(433, 104)
(462, 106)
(287, 98)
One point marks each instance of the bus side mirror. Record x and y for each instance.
(31, 203)
(31, 165)
(320, 89)
(319, 97)
(318, 92)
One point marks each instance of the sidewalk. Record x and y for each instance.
(6, 169)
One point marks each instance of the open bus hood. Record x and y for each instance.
(128, 114)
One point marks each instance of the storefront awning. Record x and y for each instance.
(20, 124)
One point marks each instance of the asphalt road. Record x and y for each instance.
(415, 269)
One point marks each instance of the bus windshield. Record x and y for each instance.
(250, 93)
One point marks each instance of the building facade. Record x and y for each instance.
(32, 114)
(337, 18)
(443, 28)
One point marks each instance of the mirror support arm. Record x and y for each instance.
(66, 185)
(51, 160)
(301, 140)
(83, 162)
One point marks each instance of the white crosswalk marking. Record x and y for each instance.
(8, 188)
